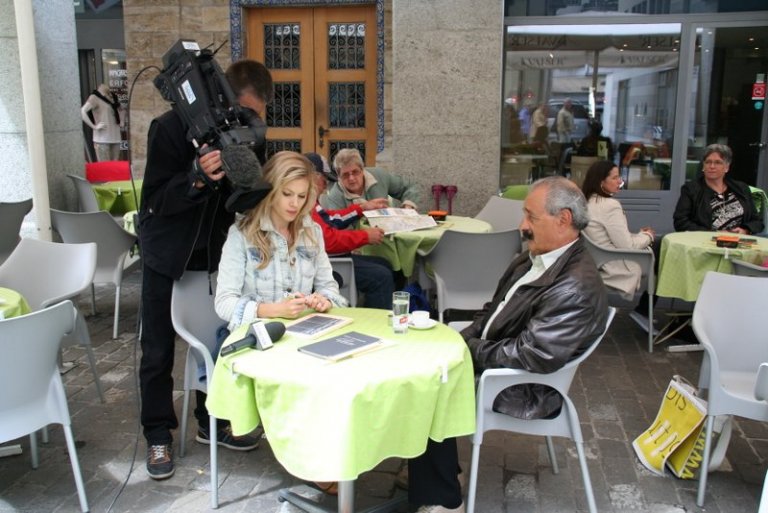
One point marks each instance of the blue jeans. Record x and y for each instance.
(374, 279)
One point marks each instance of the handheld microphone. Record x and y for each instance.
(259, 336)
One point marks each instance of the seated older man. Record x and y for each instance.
(549, 306)
(357, 184)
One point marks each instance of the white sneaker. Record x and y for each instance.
(440, 509)
(642, 321)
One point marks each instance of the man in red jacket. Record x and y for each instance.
(373, 275)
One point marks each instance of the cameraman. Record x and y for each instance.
(183, 225)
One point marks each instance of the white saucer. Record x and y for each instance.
(430, 324)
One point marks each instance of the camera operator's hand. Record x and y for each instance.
(210, 164)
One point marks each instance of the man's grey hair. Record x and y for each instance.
(564, 194)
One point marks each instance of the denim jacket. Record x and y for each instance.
(241, 286)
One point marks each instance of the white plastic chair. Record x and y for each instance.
(732, 350)
(645, 259)
(502, 213)
(195, 320)
(742, 268)
(33, 394)
(566, 424)
(346, 269)
(761, 394)
(467, 266)
(86, 199)
(11, 217)
(46, 273)
(114, 245)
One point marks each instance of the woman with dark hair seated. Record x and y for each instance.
(608, 228)
(715, 202)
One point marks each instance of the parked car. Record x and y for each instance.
(580, 119)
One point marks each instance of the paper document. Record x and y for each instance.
(393, 220)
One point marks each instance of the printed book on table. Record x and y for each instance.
(317, 324)
(341, 346)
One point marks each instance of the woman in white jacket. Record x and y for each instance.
(608, 228)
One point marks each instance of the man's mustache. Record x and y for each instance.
(526, 234)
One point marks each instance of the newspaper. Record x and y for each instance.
(393, 220)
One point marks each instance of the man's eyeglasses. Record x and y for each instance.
(714, 163)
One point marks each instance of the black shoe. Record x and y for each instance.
(225, 438)
(160, 461)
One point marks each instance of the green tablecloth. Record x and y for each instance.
(117, 197)
(687, 256)
(12, 304)
(400, 248)
(332, 421)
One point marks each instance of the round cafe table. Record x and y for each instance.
(117, 197)
(687, 256)
(331, 421)
(400, 249)
(12, 304)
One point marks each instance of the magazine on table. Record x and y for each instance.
(341, 346)
(393, 220)
(316, 324)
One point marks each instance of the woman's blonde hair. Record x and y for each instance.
(283, 168)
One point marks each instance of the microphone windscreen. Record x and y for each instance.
(241, 165)
(275, 329)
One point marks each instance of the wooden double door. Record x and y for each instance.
(323, 63)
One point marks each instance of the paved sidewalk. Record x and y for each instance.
(617, 392)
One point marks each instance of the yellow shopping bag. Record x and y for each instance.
(676, 429)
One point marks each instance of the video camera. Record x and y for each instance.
(201, 95)
(199, 92)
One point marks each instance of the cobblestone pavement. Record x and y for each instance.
(617, 392)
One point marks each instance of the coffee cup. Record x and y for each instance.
(420, 318)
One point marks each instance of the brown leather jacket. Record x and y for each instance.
(546, 323)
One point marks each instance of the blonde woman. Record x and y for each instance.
(274, 262)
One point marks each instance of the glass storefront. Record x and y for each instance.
(659, 87)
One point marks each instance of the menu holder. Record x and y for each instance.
(341, 346)
(316, 324)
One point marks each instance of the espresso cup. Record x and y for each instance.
(420, 318)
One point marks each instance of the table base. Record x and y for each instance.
(346, 501)
(666, 332)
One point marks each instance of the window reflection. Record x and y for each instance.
(605, 91)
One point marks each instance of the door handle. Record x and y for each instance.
(759, 145)
(321, 131)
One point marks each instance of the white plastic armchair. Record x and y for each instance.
(731, 352)
(467, 266)
(565, 424)
(33, 394)
(11, 216)
(742, 268)
(345, 266)
(196, 322)
(502, 213)
(46, 273)
(86, 198)
(113, 242)
(645, 259)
